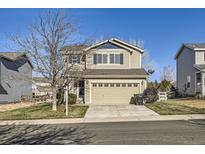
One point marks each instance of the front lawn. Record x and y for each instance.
(43, 111)
(178, 107)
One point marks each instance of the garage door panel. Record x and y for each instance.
(113, 95)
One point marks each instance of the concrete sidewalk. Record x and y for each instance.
(98, 120)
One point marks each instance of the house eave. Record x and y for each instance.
(115, 77)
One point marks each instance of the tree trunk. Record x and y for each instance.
(54, 108)
(66, 93)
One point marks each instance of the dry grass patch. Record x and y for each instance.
(179, 106)
(43, 111)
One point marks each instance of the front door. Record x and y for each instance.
(81, 88)
(199, 82)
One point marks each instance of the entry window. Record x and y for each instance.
(100, 85)
(117, 85)
(129, 85)
(94, 85)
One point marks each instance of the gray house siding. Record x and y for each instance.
(185, 63)
(16, 79)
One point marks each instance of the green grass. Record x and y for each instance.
(164, 108)
(43, 111)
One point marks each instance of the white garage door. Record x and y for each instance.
(113, 93)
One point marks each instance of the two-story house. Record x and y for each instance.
(112, 72)
(15, 77)
(190, 68)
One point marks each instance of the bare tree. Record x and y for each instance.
(43, 44)
(167, 73)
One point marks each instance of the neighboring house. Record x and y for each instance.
(111, 72)
(190, 61)
(15, 77)
(41, 87)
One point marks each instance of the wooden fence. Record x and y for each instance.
(162, 96)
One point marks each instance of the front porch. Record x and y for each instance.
(200, 83)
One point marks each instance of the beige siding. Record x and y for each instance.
(112, 95)
(129, 60)
(136, 59)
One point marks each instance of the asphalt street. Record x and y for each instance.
(153, 132)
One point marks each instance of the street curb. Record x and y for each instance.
(104, 120)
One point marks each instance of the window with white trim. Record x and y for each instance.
(74, 59)
(188, 85)
(116, 58)
(108, 58)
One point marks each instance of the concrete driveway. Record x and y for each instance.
(118, 111)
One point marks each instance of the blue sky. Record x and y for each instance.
(162, 30)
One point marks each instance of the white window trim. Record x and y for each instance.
(76, 58)
(108, 58)
(201, 81)
(187, 81)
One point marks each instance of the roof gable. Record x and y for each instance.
(17, 57)
(117, 43)
(192, 46)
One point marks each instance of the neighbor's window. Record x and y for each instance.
(188, 81)
(74, 59)
(198, 78)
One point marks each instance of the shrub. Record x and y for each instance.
(72, 98)
(150, 95)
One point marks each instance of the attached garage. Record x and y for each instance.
(113, 86)
(113, 93)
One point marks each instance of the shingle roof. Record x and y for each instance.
(73, 48)
(195, 45)
(11, 55)
(2, 90)
(192, 46)
(40, 79)
(200, 67)
(115, 72)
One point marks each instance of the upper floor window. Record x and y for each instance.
(108, 59)
(74, 59)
